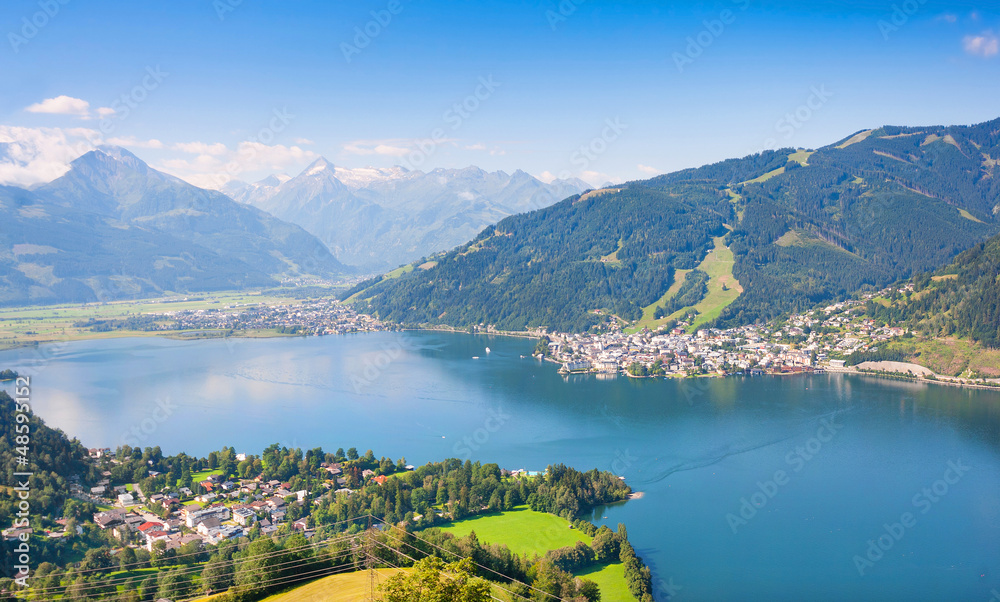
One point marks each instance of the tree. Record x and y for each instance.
(435, 581)
(217, 575)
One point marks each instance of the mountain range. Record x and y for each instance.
(112, 228)
(802, 226)
(378, 218)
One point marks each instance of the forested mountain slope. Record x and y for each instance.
(805, 226)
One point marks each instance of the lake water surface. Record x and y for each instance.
(770, 488)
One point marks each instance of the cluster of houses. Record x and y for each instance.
(803, 343)
(315, 316)
(225, 510)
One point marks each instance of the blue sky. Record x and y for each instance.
(216, 89)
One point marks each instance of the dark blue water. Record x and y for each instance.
(825, 463)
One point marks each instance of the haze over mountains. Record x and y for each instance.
(112, 227)
(804, 227)
(378, 218)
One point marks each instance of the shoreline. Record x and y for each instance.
(896, 375)
(191, 335)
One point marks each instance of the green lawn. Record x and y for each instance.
(522, 530)
(611, 579)
(201, 475)
(525, 531)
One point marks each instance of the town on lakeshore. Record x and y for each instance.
(839, 337)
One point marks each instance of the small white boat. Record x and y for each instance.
(487, 350)
(475, 357)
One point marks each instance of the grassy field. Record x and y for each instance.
(801, 156)
(855, 138)
(718, 264)
(969, 216)
(201, 475)
(524, 531)
(347, 587)
(648, 319)
(351, 587)
(765, 177)
(36, 324)
(611, 580)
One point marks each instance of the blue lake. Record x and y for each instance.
(770, 488)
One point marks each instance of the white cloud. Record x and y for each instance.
(62, 105)
(648, 170)
(394, 147)
(133, 142)
(986, 44)
(303, 141)
(596, 178)
(105, 111)
(476, 146)
(201, 148)
(211, 169)
(35, 155)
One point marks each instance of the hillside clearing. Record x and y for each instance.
(648, 319)
(855, 138)
(718, 264)
(765, 177)
(801, 157)
(523, 530)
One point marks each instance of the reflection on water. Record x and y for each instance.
(695, 447)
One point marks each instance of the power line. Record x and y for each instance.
(225, 563)
(459, 556)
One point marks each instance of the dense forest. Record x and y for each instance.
(614, 252)
(805, 227)
(962, 299)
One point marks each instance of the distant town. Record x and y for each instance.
(822, 339)
(310, 317)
